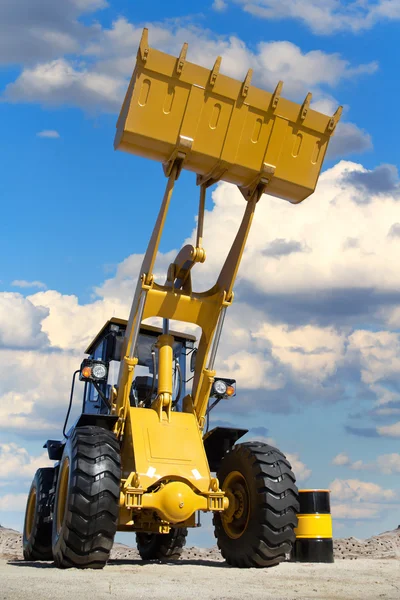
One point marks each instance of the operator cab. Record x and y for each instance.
(106, 350)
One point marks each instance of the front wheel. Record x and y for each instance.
(36, 538)
(87, 499)
(257, 530)
(162, 546)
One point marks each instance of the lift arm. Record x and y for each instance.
(188, 117)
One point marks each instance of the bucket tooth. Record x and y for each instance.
(305, 106)
(143, 49)
(247, 82)
(182, 58)
(215, 71)
(276, 95)
(335, 119)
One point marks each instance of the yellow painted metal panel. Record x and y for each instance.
(164, 448)
(225, 121)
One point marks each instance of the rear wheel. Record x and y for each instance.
(87, 499)
(162, 546)
(257, 530)
(36, 538)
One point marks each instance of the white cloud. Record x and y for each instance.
(21, 322)
(48, 133)
(58, 82)
(331, 211)
(301, 471)
(376, 353)
(13, 503)
(390, 430)
(72, 326)
(16, 463)
(219, 5)
(326, 17)
(22, 283)
(313, 352)
(360, 491)
(40, 31)
(359, 512)
(121, 286)
(355, 499)
(253, 370)
(348, 139)
(271, 61)
(379, 354)
(34, 391)
(391, 315)
(35, 385)
(341, 459)
(387, 464)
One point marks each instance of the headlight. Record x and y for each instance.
(93, 370)
(220, 387)
(99, 371)
(223, 388)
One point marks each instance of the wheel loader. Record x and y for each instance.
(141, 457)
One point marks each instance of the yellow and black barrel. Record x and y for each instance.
(314, 542)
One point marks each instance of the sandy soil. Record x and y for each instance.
(363, 569)
(127, 579)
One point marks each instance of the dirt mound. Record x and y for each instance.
(385, 545)
(121, 552)
(10, 543)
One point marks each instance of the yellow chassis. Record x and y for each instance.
(262, 143)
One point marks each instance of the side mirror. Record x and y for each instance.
(193, 360)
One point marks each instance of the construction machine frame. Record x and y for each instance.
(154, 457)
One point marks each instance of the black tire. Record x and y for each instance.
(87, 499)
(162, 546)
(263, 491)
(36, 538)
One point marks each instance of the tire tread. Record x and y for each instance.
(38, 546)
(165, 547)
(93, 505)
(273, 535)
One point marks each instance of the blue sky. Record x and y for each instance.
(313, 335)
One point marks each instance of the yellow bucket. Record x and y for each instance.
(224, 128)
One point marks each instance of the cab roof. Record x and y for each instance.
(146, 329)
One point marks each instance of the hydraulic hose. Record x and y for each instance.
(180, 382)
(153, 383)
(70, 402)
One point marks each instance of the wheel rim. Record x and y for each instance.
(236, 518)
(30, 512)
(62, 494)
